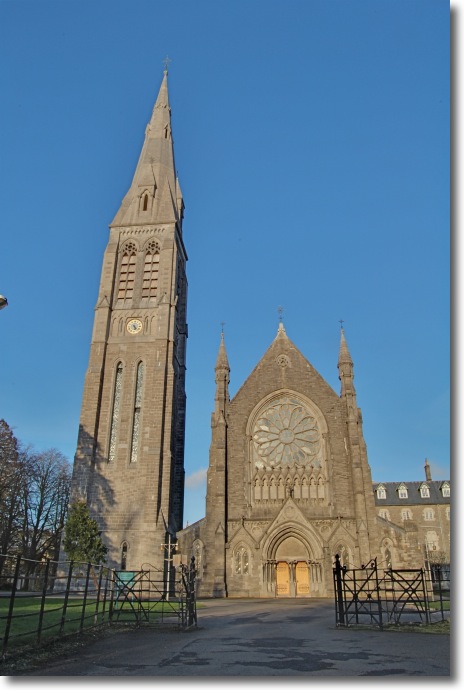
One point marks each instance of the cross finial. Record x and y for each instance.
(280, 311)
(166, 62)
(223, 323)
(341, 322)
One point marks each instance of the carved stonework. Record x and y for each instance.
(145, 230)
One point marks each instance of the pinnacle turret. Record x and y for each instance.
(344, 356)
(222, 371)
(222, 362)
(345, 368)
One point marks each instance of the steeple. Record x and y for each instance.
(133, 407)
(154, 195)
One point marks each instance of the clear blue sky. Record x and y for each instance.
(312, 145)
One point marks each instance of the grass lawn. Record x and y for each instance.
(435, 605)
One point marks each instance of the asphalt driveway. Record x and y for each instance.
(260, 638)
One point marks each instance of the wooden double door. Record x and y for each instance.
(292, 579)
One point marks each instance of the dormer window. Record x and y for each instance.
(381, 493)
(424, 491)
(445, 490)
(402, 491)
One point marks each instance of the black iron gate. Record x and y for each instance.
(143, 596)
(368, 596)
(357, 595)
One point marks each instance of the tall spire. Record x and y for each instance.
(154, 195)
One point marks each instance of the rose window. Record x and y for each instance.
(286, 433)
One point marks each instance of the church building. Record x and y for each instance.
(289, 483)
(289, 486)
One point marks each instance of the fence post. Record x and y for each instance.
(66, 597)
(98, 594)
(377, 591)
(89, 565)
(42, 601)
(426, 595)
(12, 601)
(339, 590)
(440, 590)
(191, 604)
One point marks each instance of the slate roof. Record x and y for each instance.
(414, 496)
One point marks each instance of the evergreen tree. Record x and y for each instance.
(13, 477)
(82, 540)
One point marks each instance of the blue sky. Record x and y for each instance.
(312, 147)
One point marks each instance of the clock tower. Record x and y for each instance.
(129, 463)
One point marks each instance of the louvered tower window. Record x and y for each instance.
(150, 270)
(127, 272)
(115, 413)
(137, 410)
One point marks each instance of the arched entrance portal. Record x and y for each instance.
(292, 569)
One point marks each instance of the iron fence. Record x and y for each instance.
(379, 597)
(45, 600)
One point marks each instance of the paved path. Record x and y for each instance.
(259, 638)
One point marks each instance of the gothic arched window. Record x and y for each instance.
(124, 555)
(344, 555)
(127, 272)
(137, 410)
(241, 561)
(150, 270)
(115, 413)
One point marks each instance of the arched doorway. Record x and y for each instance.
(292, 569)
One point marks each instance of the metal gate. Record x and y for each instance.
(143, 596)
(363, 596)
(357, 598)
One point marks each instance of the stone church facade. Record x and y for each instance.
(289, 483)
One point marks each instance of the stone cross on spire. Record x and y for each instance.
(166, 62)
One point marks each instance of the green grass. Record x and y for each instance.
(435, 605)
(25, 620)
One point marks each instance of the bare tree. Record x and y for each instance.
(45, 499)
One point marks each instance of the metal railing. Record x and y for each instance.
(42, 601)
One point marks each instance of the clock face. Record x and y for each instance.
(134, 326)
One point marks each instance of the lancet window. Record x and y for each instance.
(151, 270)
(127, 272)
(241, 561)
(115, 413)
(137, 410)
(124, 555)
